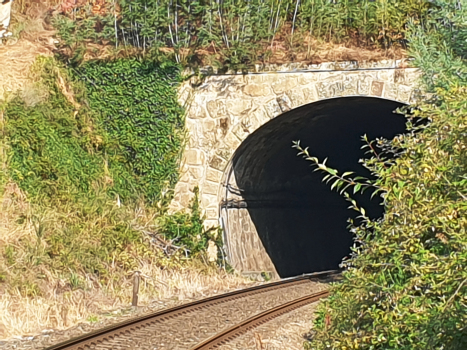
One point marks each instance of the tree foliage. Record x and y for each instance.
(405, 286)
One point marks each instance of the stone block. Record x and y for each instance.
(350, 85)
(213, 175)
(185, 93)
(238, 106)
(386, 75)
(194, 157)
(284, 103)
(196, 172)
(212, 214)
(232, 141)
(242, 129)
(186, 198)
(272, 108)
(285, 83)
(222, 127)
(208, 200)
(225, 152)
(331, 87)
(364, 84)
(408, 76)
(218, 163)
(257, 90)
(296, 97)
(390, 91)
(216, 108)
(307, 78)
(196, 111)
(309, 94)
(208, 125)
(404, 93)
(210, 188)
(184, 177)
(259, 116)
(376, 88)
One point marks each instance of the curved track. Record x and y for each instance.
(123, 332)
(256, 321)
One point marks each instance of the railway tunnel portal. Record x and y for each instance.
(277, 215)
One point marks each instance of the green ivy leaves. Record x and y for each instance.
(135, 102)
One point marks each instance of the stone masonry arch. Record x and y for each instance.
(225, 109)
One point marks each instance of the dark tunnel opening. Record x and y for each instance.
(300, 221)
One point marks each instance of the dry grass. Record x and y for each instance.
(31, 37)
(64, 308)
(13, 205)
(166, 282)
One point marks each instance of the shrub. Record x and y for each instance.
(405, 286)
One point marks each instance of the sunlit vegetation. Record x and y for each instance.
(405, 286)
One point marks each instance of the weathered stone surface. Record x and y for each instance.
(196, 111)
(232, 141)
(296, 97)
(226, 109)
(377, 88)
(213, 175)
(350, 85)
(207, 199)
(309, 94)
(284, 103)
(404, 93)
(364, 84)
(216, 108)
(239, 106)
(218, 163)
(208, 125)
(242, 129)
(390, 91)
(194, 157)
(196, 172)
(256, 90)
(284, 84)
(386, 75)
(272, 108)
(225, 152)
(212, 214)
(211, 188)
(223, 125)
(307, 78)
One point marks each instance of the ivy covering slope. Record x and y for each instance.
(89, 167)
(135, 102)
(405, 286)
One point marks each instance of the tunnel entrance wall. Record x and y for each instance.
(226, 109)
(274, 199)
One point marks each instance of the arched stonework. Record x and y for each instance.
(225, 109)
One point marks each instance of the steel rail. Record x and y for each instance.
(233, 332)
(138, 324)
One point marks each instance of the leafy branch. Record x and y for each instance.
(340, 182)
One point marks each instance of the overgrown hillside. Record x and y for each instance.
(89, 159)
(236, 34)
(405, 286)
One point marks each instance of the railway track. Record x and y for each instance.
(131, 334)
